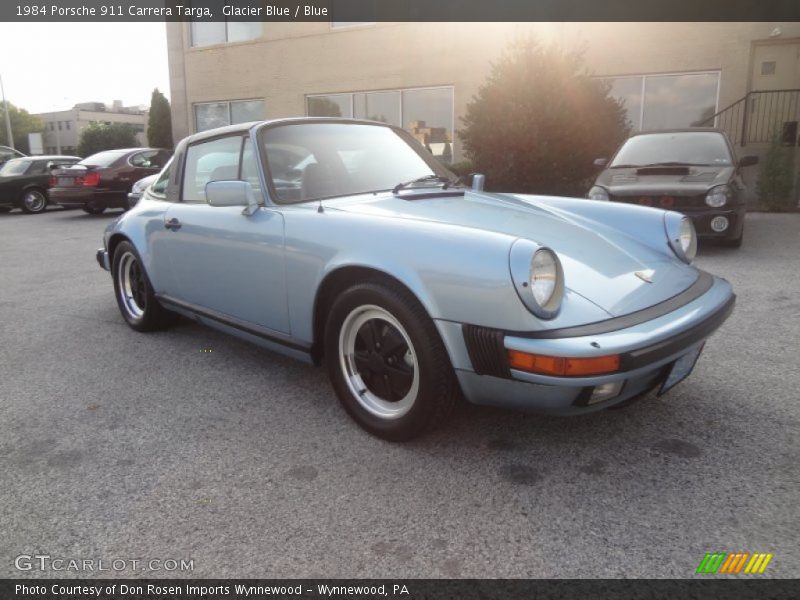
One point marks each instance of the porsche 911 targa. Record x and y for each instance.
(347, 243)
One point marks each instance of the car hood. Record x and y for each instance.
(600, 262)
(676, 181)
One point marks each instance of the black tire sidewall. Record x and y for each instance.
(431, 359)
(147, 321)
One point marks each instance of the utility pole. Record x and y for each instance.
(8, 119)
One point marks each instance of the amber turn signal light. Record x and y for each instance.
(561, 366)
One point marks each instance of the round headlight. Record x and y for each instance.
(718, 196)
(544, 276)
(538, 277)
(597, 193)
(688, 239)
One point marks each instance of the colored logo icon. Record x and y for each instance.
(734, 563)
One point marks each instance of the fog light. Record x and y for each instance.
(719, 224)
(606, 391)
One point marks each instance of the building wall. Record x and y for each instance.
(292, 60)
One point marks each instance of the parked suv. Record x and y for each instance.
(693, 171)
(24, 181)
(104, 180)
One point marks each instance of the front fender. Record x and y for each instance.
(458, 274)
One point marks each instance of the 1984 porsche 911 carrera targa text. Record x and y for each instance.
(346, 242)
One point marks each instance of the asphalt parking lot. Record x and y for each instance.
(188, 444)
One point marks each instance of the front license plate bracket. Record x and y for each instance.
(681, 369)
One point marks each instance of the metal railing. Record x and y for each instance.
(759, 117)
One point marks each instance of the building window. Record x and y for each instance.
(209, 115)
(67, 125)
(344, 24)
(205, 33)
(59, 125)
(768, 67)
(427, 113)
(665, 101)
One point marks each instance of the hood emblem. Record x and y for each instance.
(646, 276)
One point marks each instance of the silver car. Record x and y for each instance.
(346, 243)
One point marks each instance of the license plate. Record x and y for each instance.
(681, 369)
(64, 181)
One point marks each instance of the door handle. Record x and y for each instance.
(173, 224)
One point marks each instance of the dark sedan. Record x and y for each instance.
(693, 171)
(24, 181)
(104, 180)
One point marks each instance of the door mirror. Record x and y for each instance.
(747, 161)
(600, 162)
(232, 193)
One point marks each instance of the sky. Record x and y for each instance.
(52, 66)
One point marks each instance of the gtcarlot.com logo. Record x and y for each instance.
(734, 563)
(45, 562)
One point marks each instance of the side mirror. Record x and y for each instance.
(600, 162)
(232, 193)
(478, 181)
(747, 161)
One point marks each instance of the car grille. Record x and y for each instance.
(486, 350)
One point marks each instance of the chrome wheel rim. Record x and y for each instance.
(34, 201)
(379, 362)
(132, 286)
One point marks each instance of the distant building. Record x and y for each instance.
(62, 129)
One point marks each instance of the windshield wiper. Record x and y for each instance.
(674, 163)
(426, 178)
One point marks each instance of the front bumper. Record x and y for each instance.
(102, 259)
(701, 219)
(647, 351)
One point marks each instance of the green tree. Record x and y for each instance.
(22, 123)
(159, 125)
(539, 120)
(776, 178)
(97, 137)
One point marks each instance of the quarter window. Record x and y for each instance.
(215, 160)
(160, 185)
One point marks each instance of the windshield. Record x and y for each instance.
(103, 159)
(682, 148)
(309, 161)
(15, 167)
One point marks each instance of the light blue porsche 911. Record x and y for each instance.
(346, 242)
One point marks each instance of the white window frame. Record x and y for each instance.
(400, 90)
(228, 102)
(645, 76)
(227, 36)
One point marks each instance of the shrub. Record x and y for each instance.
(775, 180)
(540, 120)
(106, 136)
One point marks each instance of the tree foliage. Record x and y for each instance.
(776, 178)
(539, 121)
(97, 137)
(22, 123)
(159, 125)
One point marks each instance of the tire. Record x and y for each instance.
(134, 294)
(33, 201)
(387, 363)
(93, 209)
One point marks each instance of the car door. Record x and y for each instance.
(225, 263)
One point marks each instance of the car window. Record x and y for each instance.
(15, 167)
(308, 161)
(159, 187)
(705, 148)
(146, 160)
(103, 159)
(215, 160)
(38, 167)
